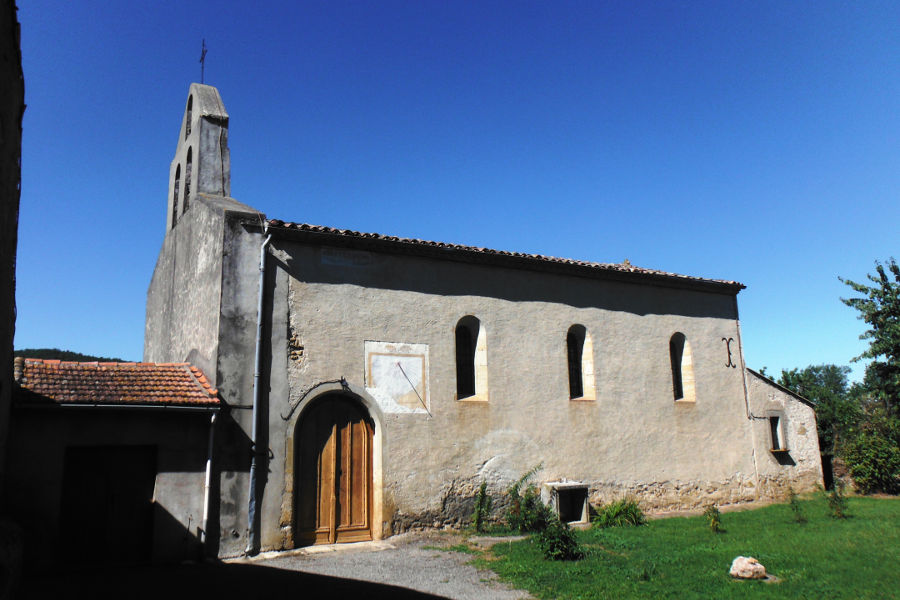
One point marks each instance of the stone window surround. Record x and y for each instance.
(551, 496)
(778, 439)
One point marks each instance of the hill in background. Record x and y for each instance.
(56, 353)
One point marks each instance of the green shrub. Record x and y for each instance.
(713, 518)
(837, 501)
(619, 513)
(526, 512)
(557, 541)
(483, 503)
(873, 458)
(795, 506)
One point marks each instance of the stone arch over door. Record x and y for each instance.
(334, 468)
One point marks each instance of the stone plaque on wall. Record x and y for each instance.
(397, 376)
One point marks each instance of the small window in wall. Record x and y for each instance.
(471, 360)
(187, 116)
(175, 195)
(187, 179)
(682, 368)
(568, 499)
(776, 429)
(580, 355)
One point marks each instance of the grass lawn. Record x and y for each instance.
(855, 557)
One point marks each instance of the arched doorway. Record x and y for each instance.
(333, 487)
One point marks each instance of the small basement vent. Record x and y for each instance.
(568, 499)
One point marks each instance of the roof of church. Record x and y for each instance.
(624, 269)
(50, 382)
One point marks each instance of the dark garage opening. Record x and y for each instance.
(107, 504)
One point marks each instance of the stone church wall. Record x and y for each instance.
(632, 439)
(662, 411)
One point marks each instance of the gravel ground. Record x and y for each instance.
(405, 567)
(409, 561)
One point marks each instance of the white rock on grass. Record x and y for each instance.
(747, 567)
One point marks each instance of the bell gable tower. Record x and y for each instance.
(202, 162)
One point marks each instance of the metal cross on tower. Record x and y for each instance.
(202, 60)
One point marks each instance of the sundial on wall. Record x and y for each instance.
(397, 376)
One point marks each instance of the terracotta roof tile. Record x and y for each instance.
(625, 267)
(126, 383)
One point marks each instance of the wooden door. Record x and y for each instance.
(334, 481)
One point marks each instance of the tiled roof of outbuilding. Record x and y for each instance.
(112, 383)
(623, 268)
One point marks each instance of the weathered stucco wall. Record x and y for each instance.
(799, 464)
(634, 438)
(234, 375)
(37, 447)
(184, 297)
(201, 304)
(193, 317)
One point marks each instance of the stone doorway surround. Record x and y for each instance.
(378, 523)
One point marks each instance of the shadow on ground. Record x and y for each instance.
(220, 580)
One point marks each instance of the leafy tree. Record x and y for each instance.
(826, 387)
(873, 453)
(879, 307)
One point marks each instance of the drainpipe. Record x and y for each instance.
(253, 538)
(737, 322)
(209, 456)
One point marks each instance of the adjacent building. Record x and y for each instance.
(112, 462)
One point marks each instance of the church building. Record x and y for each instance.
(369, 384)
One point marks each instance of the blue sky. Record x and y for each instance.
(758, 142)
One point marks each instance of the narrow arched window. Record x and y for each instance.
(682, 368)
(580, 356)
(187, 179)
(575, 350)
(175, 194)
(471, 359)
(187, 116)
(465, 357)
